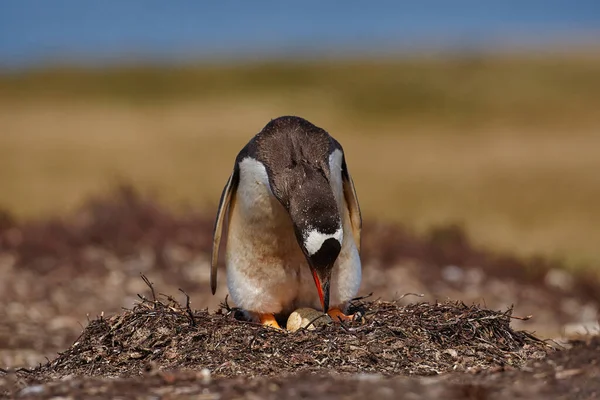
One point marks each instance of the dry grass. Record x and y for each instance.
(506, 146)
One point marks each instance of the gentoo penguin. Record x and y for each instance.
(293, 222)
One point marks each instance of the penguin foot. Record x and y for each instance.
(337, 315)
(268, 320)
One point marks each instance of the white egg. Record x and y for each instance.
(304, 316)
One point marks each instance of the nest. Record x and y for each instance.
(421, 338)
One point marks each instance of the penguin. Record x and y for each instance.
(292, 221)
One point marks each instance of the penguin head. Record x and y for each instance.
(317, 225)
(296, 156)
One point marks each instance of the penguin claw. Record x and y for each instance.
(269, 320)
(337, 315)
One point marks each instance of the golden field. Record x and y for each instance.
(507, 145)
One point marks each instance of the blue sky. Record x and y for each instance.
(34, 31)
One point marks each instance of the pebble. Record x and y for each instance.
(32, 390)
(559, 279)
(452, 273)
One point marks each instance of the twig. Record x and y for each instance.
(313, 321)
(410, 294)
(188, 308)
(362, 297)
(20, 369)
(345, 326)
(522, 318)
(173, 303)
(224, 304)
(142, 298)
(545, 341)
(147, 282)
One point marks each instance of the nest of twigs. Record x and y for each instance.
(420, 338)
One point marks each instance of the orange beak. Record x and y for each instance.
(322, 289)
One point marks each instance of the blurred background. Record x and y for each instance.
(484, 114)
(471, 129)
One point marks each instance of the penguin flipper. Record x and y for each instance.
(353, 206)
(224, 205)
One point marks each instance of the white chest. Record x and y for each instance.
(258, 221)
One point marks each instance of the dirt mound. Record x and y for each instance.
(421, 338)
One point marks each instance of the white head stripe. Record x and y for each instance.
(315, 239)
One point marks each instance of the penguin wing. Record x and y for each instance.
(224, 204)
(352, 202)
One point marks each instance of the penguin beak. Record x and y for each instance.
(322, 283)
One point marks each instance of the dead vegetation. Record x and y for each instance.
(161, 348)
(417, 339)
(160, 335)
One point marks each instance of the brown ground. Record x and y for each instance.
(55, 276)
